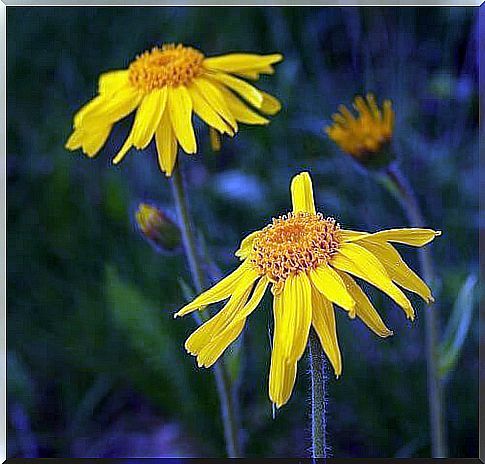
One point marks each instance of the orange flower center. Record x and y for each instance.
(294, 243)
(171, 65)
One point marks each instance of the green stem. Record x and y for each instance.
(402, 190)
(317, 369)
(222, 380)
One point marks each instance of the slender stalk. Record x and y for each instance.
(222, 380)
(402, 190)
(319, 422)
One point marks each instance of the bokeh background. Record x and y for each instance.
(96, 365)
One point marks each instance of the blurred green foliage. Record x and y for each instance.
(91, 339)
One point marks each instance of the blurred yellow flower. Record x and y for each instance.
(366, 134)
(165, 86)
(308, 260)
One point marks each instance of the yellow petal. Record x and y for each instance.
(329, 284)
(247, 91)
(112, 81)
(112, 109)
(246, 245)
(411, 236)
(217, 324)
(323, 320)
(166, 144)
(124, 149)
(148, 117)
(362, 263)
(239, 110)
(214, 97)
(397, 269)
(234, 62)
(180, 110)
(302, 193)
(270, 104)
(88, 107)
(244, 274)
(364, 308)
(206, 112)
(75, 140)
(282, 373)
(351, 235)
(93, 141)
(255, 299)
(294, 326)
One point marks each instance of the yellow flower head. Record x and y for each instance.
(165, 86)
(368, 133)
(309, 262)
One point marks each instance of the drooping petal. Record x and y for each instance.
(364, 308)
(302, 193)
(242, 276)
(397, 269)
(180, 111)
(282, 373)
(214, 97)
(112, 81)
(205, 111)
(234, 62)
(246, 245)
(362, 263)
(148, 117)
(239, 110)
(329, 284)
(217, 324)
(293, 330)
(91, 105)
(255, 299)
(93, 141)
(114, 108)
(124, 149)
(323, 320)
(166, 144)
(412, 236)
(270, 105)
(245, 90)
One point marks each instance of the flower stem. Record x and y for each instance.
(222, 380)
(402, 190)
(318, 414)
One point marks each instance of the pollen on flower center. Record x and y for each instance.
(294, 243)
(172, 65)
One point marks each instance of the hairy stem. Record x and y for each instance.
(402, 190)
(222, 380)
(318, 414)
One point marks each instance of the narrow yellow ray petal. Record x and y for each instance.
(302, 193)
(397, 269)
(234, 62)
(246, 245)
(247, 91)
(206, 112)
(297, 316)
(93, 141)
(282, 373)
(364, 308)
(91, 105)
(180, 111)
(114, 108)
(323, 321)
(270, 105)
(411, 236)
(362, 263)
(329, 284)
(75, 140)
(351, 235)
(216, 100)
(124, 149)
(148, 117)
(218, 323)
(112, 81)
(166, 144)
(223, 289)
(255, 299)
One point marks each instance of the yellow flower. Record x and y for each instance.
(308, 261)
(165, 86)
(365, 135)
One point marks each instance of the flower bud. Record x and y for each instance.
(157, 228)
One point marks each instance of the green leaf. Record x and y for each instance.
(458, 326)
